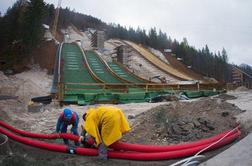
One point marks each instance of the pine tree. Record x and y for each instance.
(224, 55)
(49, 14)
(153, 41)
(33, 28)
(11, 27)
(11, 32)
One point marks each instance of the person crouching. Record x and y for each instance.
(106, 125)
(68, 117)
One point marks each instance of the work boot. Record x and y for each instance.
(103, 152)
(76, 143)
(66, 142)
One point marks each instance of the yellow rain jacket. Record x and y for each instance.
(106, 123)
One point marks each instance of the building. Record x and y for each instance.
(98, 39)
(241, 78)
(122, 54)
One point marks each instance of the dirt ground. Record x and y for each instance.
(178, 122)
(244, 102)
(154, 123)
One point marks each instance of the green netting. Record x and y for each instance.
(81, 100)
(132, 96)
(99, 68)
(89, 97)
(106, 98)
(150, 95)
(204, 93)
(210, 93)
(74, 68)
(70, 98)
(193, 94)
(123, 73)
(133, 90)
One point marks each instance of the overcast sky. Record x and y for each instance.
(217, 23)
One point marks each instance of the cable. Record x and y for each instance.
(189, 158)
(188, 161)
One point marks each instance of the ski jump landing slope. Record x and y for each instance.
(157, 62)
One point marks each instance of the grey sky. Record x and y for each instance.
(218, 23)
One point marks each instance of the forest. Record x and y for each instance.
(21, 31)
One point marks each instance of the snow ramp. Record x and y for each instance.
(100, 69)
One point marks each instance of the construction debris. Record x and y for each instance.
(178, 122)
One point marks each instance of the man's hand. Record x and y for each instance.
(81, 139)
(89, 140)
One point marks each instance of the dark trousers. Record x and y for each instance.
(63, 129)
(103, 151)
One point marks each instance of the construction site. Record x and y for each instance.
(176, 116)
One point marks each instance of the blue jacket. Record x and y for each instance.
(62, 121)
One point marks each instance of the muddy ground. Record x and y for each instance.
(178, 122)
(168, 123)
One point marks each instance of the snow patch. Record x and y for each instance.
(159, 54)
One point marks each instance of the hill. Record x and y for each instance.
(17, 24)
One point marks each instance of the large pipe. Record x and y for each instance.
(164, 148)
(125, 146)
(171, 154)
(120, 155)
(45, 145)
(41, 136)
(38, 144)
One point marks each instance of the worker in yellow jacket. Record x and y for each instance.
(106, 125)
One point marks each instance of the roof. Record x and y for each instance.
(243, 72)
(45, 26)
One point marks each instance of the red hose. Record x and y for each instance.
(45, 145)
(120, 155)
(171, 154)
(161, 148)
(41, 136)
(38, 144)
(121, 145)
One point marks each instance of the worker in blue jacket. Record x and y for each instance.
(68, 117)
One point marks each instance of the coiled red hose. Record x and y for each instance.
(120, 155)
